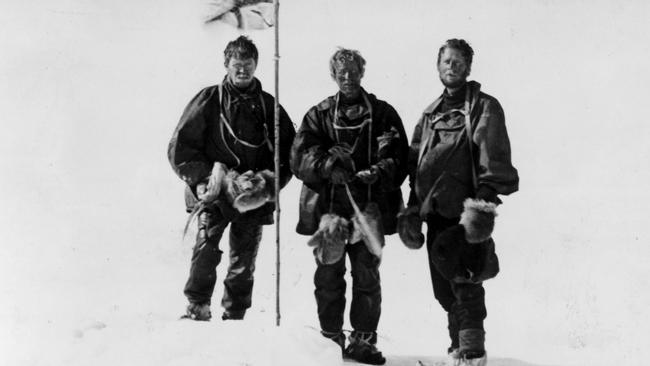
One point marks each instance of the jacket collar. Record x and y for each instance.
(473, 89)
(237, 95)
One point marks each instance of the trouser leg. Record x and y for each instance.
(470, 305)
(464, 302)
(442, 288)
(330, 295)
(206, 255)
(238, 285)
(365, 308)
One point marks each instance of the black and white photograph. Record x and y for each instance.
(324, 182)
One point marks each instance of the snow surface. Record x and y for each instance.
(92, 264)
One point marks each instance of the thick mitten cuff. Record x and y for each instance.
(478, 220)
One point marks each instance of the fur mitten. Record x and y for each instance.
(478, 220)
(460, 261)
(368, 227)
(330, 238)
(211, 190)
(409, 227)
(247, 191)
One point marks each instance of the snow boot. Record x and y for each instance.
(233, 315)
(336, 337)
(453, 357)
(362, 348)
(472, 347)
(200, 312)
(477, 361)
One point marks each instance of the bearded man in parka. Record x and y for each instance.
(354, 141)
(451, 175)
(223, 150)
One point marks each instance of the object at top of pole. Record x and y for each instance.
(243, 14)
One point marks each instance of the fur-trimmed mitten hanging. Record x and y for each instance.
(478, 219)
(465, 252)
(247, 191)
(462, 262)
(330, 238)
(215, 183)
(409, 227)
(368, 227)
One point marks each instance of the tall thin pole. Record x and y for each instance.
(276, 5)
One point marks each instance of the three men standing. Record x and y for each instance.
(352, 155)
(350, 144)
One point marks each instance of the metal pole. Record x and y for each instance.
(276, 4)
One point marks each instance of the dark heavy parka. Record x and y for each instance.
(440, 165)
(310, 150)
(203, 138)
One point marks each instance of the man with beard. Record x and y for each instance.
(223, 150)
(350, 149)
(449, 175)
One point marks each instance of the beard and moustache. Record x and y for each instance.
(456, 84)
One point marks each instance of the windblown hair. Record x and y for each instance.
(343, 55)
(241, 48)
(460, 45)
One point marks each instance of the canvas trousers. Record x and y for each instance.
(463, 302)
(238, 284)
(329, 280)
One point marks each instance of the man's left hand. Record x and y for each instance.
(368, 176)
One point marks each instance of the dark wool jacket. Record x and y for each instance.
(310, 150)
(202, 138)
(440, 168)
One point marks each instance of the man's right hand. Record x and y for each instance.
(339, 175)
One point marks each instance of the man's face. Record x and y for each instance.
(241, 71)
(453, 68)
(348, 77)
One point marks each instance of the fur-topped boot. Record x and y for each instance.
(472, 347)
(199, 312)
(330, 238)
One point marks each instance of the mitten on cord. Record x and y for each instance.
(367, 227)
(409, 227)
(330, 238)
(250, 191)
(209, 191)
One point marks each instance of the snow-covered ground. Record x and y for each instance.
(92, 263)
